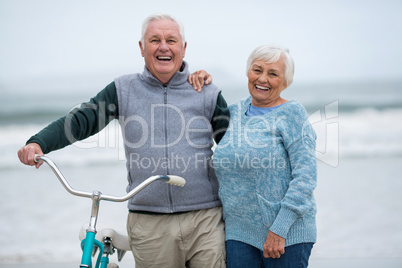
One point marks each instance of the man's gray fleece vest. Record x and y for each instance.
(167, 130)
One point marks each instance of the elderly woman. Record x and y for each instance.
(266, 167)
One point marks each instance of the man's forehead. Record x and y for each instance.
(166, 27)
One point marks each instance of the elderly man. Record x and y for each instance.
(168, 129)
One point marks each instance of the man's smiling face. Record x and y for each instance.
(163, 49)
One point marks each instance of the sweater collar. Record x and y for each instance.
(178, 78)
(244, 104)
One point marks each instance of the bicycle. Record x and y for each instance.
(111, 240)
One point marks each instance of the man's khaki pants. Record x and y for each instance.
(193, 239)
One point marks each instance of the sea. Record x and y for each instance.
(359, 154)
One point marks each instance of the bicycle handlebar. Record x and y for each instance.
(171, 179)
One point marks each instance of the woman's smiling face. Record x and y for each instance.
(266, 82)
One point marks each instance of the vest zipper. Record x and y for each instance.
(166, 148)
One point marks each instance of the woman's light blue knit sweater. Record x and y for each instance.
(266, 167)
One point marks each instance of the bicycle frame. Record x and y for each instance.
(89, 244)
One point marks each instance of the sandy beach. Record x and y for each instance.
(314, 263)
(358, 203)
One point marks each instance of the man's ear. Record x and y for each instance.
(141, 48)
(184, 49)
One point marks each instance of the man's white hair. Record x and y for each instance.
(154, 17)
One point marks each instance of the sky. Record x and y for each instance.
(79, 42)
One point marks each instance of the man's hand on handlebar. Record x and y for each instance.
(27, 153)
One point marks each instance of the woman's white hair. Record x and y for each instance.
(154, 17)
(271, 54)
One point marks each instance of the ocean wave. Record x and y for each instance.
(45, 115)
(361, 133)
(104, 148)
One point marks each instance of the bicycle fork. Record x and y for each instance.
(89, 244)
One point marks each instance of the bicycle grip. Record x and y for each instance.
(37, 158)
(176, 180)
